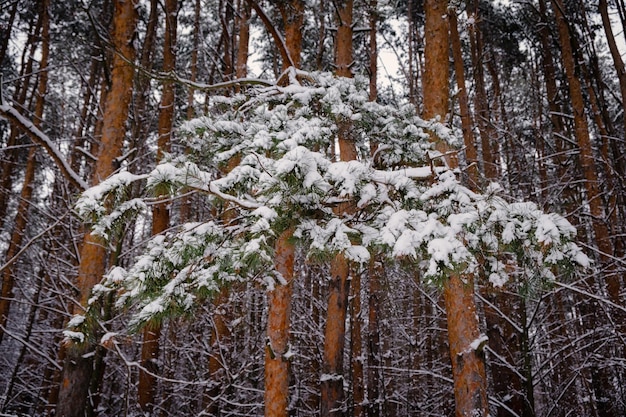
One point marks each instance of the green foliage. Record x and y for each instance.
(280, 144)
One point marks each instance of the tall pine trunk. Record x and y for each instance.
(78, 367)
(277, 369)
(160, 213)
(468, 362)
(332, 394)
(19, 228)
(279, 310)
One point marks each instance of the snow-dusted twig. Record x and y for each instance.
(10, 262)
(32, 348)
(588, 294)
(43, 140)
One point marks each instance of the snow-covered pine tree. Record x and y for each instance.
(407, 210)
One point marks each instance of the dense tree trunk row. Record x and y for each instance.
(537, 92)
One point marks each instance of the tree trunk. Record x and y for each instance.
(468, 366)
(468, 361)
(373, 50)
(582, 135)
(376, 272)
(332, 395)
(619, 162)
(356, 340)
(19, 98)
(481, 106)
(6, 32)
(78, 367)
(277, 348)
(243, 24)
(601, 379)
(292, 12)
(146, 389)
(19, 229)
(277, 372)
(471, 155)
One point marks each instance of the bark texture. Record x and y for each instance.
(146, 388)
(468, 362)
(279, 310)
(468, 366)
(78, 367)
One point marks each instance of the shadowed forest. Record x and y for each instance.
(379, 208)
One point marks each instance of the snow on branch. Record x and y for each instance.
(270, 158)
(40, 138)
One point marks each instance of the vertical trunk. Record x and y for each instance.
(194, 60)
(471, 155)
(185, 202)
(19, 98)
(600, 376)
(481, 106)
(141, 124)
(244, 39)
(279, 298)
(78, 367)
(356, 340)
(373, 51)
(468, 367)
(226, 17)
(277, 348)
(619, 161)
(436, 56)
(6, 32)
(332, 395)
(554, 106)
(411, 52)
(468, 362)
(292, 12)
(319, 59)
(582, 136)
(146, 389)
(373, 335)
(19, 229)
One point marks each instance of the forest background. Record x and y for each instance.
(103, 103)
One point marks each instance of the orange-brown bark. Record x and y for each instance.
(146, 388)
(244, 40)
(8, 277)
(481, 106)
(468, 364)
(471, 155)
(279, 297)
(343, 43)
(279, 310)
(77, 371)
(436, 56)
(292, 12)
(332, 395)
(468, 367)
(334, 338)
(581, 127)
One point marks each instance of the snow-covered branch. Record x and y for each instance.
(40, 138)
